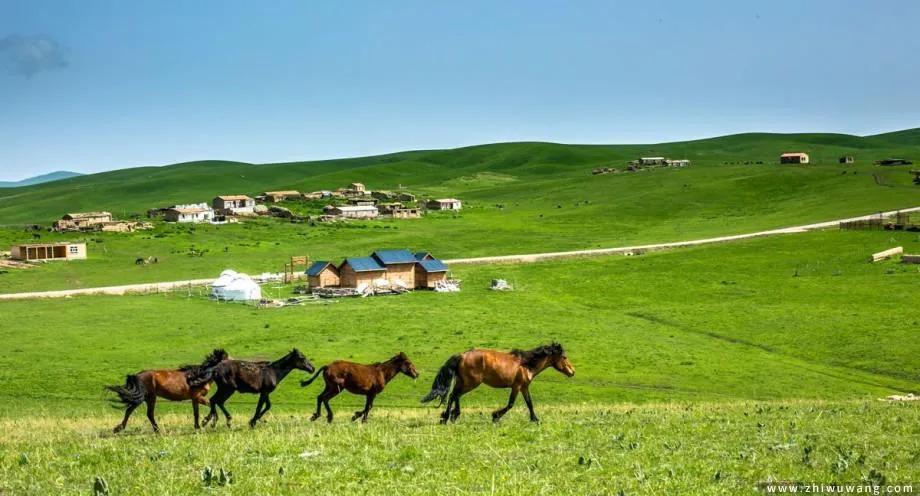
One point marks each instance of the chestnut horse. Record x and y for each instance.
(190, 382)
(252, 377)
(366, 380)
(515, 370)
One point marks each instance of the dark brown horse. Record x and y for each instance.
(366, 380)
(190, 382)
(515, 370)
(252, 377)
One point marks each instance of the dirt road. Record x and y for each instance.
(528, 258)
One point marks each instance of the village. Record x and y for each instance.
(787, 158)
(383, 272)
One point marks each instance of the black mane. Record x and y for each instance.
(197, 375)
(531, 358)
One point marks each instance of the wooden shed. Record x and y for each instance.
(323, 274)
(428, 272)
(48, 251)
(360, 270)
(399, 264)
(794, 158)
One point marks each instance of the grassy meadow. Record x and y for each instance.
(676, 448)
(701, 370)
(518, 197)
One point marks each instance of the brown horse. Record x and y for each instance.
(515, 370)
(367, 380)
(190, 382)
(252, 377)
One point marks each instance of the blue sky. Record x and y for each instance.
(97, 85)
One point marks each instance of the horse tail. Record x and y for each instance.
(198, 376)
(131, 394)
(441, 385)
(310, 380)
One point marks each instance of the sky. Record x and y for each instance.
(92, 85)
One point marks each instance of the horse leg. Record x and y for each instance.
(128, 411)
(526, 391)
(255, 418)
(362, 414)
(450, 401)
(224, 409)
(151, 407)
(217, 401)
(195, 412)
(456, 411)
(332, 394)
(367, 408)
(212, 413)
(498, 414)
(319, 405)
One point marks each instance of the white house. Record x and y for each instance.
(234, 205)
(444, 204)
(352, 211)
(199, 212)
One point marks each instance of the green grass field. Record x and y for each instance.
(675, 448)
(550, 202)
(702, 370)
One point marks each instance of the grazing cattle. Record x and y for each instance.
(252, 377)
(366, 380)
(515, 370)
(190, 382)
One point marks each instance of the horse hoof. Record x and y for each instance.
(535, 420)
(117, 429)
(329, 420)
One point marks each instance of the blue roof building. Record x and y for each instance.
(392, 257)
(432, 265)
(364, 264)
(318, 267)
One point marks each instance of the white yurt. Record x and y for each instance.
(233, 286)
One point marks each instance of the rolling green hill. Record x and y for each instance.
(518, 197)
(44, 178)
(136, 190)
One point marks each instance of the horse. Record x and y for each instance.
(189, 382)
(367, 380)
(515, 370)
(252, 377)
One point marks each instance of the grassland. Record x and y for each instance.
(519, 198)
(699, 371)
(702, 370)
(615, 449)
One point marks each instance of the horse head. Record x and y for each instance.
(406, 366)
(560, 361)
(299, 361)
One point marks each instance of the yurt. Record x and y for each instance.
(233, 286)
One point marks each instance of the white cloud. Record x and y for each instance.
(28, 55)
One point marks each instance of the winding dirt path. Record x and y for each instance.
(156, 287)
